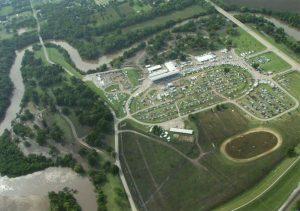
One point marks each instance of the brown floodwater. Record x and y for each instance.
(84, 65)
(30, 192)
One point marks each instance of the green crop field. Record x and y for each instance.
(270, 62)
(245, 43)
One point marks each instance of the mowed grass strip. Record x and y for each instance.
(274, 65)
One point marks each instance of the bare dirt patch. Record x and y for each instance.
(251, 145)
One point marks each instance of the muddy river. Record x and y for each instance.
(16, 78)
(30, 192)
(82, 64)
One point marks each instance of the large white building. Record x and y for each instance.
(205, 57)
(158, 73)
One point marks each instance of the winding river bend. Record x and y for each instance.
(18, 92)
(82, 64)
(30, 192)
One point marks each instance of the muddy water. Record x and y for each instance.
(82, 64)
(291, 31)
(16, 78)
(30, 192)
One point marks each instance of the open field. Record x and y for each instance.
(278, 5)
(245, 43)
(290, 81)
(270, 62)
(116, 199)
(58, 58)
(223, 178)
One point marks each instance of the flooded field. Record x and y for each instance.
(30, 192)
(278, 5)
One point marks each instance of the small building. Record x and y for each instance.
(183, 131)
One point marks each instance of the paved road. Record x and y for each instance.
(270, 47)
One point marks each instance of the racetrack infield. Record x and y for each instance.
(251, 145)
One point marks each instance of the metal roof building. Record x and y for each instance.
(183, 131)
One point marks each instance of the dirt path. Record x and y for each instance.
(259, 129)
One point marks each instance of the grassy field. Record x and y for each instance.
(250, 145)
(245, 43)
(277, 195)
(274, 65)
(133, 75)
(290, 81)
(204, 188)
(58, 58)
(260, 187)
(7, 10)
(114, 202)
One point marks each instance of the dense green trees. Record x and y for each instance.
(269, 28)
(79, 25)
(7, 57)
(63, 201)
(13, 163)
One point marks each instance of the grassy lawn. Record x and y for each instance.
(245, 43)
(262, 186)
(7, 10)
(290, 81)
(114, 201)
(270, 62)
(178, 15)
(58, 58)
(134, 75)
